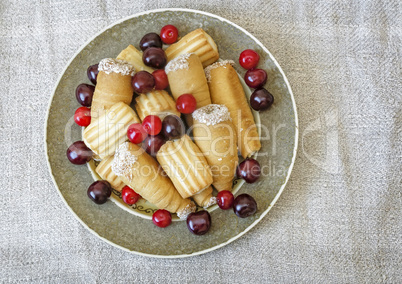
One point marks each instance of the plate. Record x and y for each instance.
(279, 132)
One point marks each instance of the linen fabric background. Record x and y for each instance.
(339, 218)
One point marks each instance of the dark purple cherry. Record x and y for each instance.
(78, 153)
(255, 78)
(99, 191)
(92, 73)
(172, 127)
(152, 144)
(154, 57)
(150, 40)
(244, 205)
(199, 222)
(84, 94)
(261, 99)
(143, 82)
(249, 170)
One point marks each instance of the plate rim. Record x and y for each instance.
(263, 214)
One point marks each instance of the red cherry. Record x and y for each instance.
(225, 199)
(162, 218)
(186, 104)
(136, 133)
(129, 196)
(82, 116)
(169, 34)
(152, 124)
(248, 59)
(255, 78)
(161, 79)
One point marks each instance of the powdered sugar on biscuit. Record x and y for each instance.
(123, 161)
(208, 69)
(111, 65)
(212, 201)
(183, 213)
(180, 62)
(212, 114)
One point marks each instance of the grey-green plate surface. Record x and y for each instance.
(135, 234)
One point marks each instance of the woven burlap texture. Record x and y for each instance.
(339, 218)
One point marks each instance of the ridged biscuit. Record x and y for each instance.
(155, 102)
(198, 42)
(184, 163)
(105, 134)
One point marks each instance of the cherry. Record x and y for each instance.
(152, 124)
(249, 170)
(169, 34)
(150, 40)
(162, 218)
(84, 94)
(248, 59)
(152, 144)
(261, 99)
(244, 205)
(199, 222)
(129, 196)
(82, 116)
(154, 57)
(143, 82)
(78, 153)
(255, 78)
(92, 73)
(186, 104)
(225, 199)
(99, 191)
(172, 127)
(161, 79)
(136, 133)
